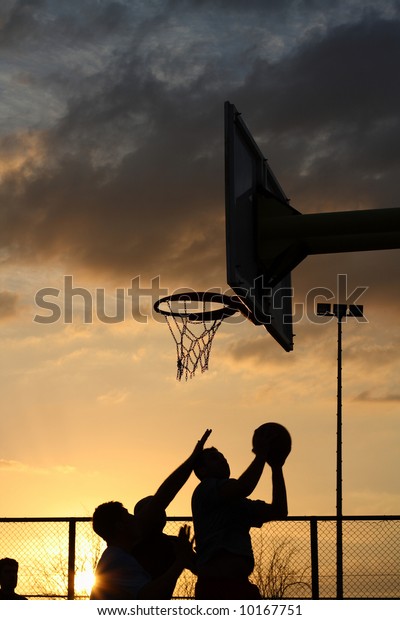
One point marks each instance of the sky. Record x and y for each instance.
(112, 187)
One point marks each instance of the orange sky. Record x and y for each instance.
(94, 412)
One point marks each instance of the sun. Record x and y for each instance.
(84, 581)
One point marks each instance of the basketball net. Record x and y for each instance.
(193, 340)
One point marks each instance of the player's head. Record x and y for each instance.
(211, 464)
(8, 573)
(111, 520)
(158, 521)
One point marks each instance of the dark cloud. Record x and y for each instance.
(36, 22)
(235, 5)
(19, 21)
(343, 76)
(130, 179)
(330, 114)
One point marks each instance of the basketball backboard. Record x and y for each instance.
(252, 191)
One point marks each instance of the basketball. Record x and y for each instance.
(273, 440)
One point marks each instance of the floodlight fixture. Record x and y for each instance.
(324, 310)
(356, 311)
(340, 311)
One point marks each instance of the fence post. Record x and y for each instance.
(314, 558)
(71, 559)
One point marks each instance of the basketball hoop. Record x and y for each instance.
(193, 324)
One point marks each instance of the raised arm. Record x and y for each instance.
(243, 486)
(279, 506)
(173, 484)
(278, 509)
(246, 483)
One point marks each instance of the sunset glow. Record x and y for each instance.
(84, 581)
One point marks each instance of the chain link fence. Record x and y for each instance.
(294, 559)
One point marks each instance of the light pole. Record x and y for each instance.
(340, 311)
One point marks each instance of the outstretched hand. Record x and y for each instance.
(200, 444)
(184, 547)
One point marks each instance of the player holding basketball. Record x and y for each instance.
(118, 574)
(222, 518)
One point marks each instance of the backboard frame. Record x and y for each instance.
(250, 185)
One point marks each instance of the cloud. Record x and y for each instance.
(113, 397)
(252, 350)
(368, 397)
(20, 467)
(8, 305)
(7, 464)
(38, 21)
(130, 178)
(333, 103)
(18, 21)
